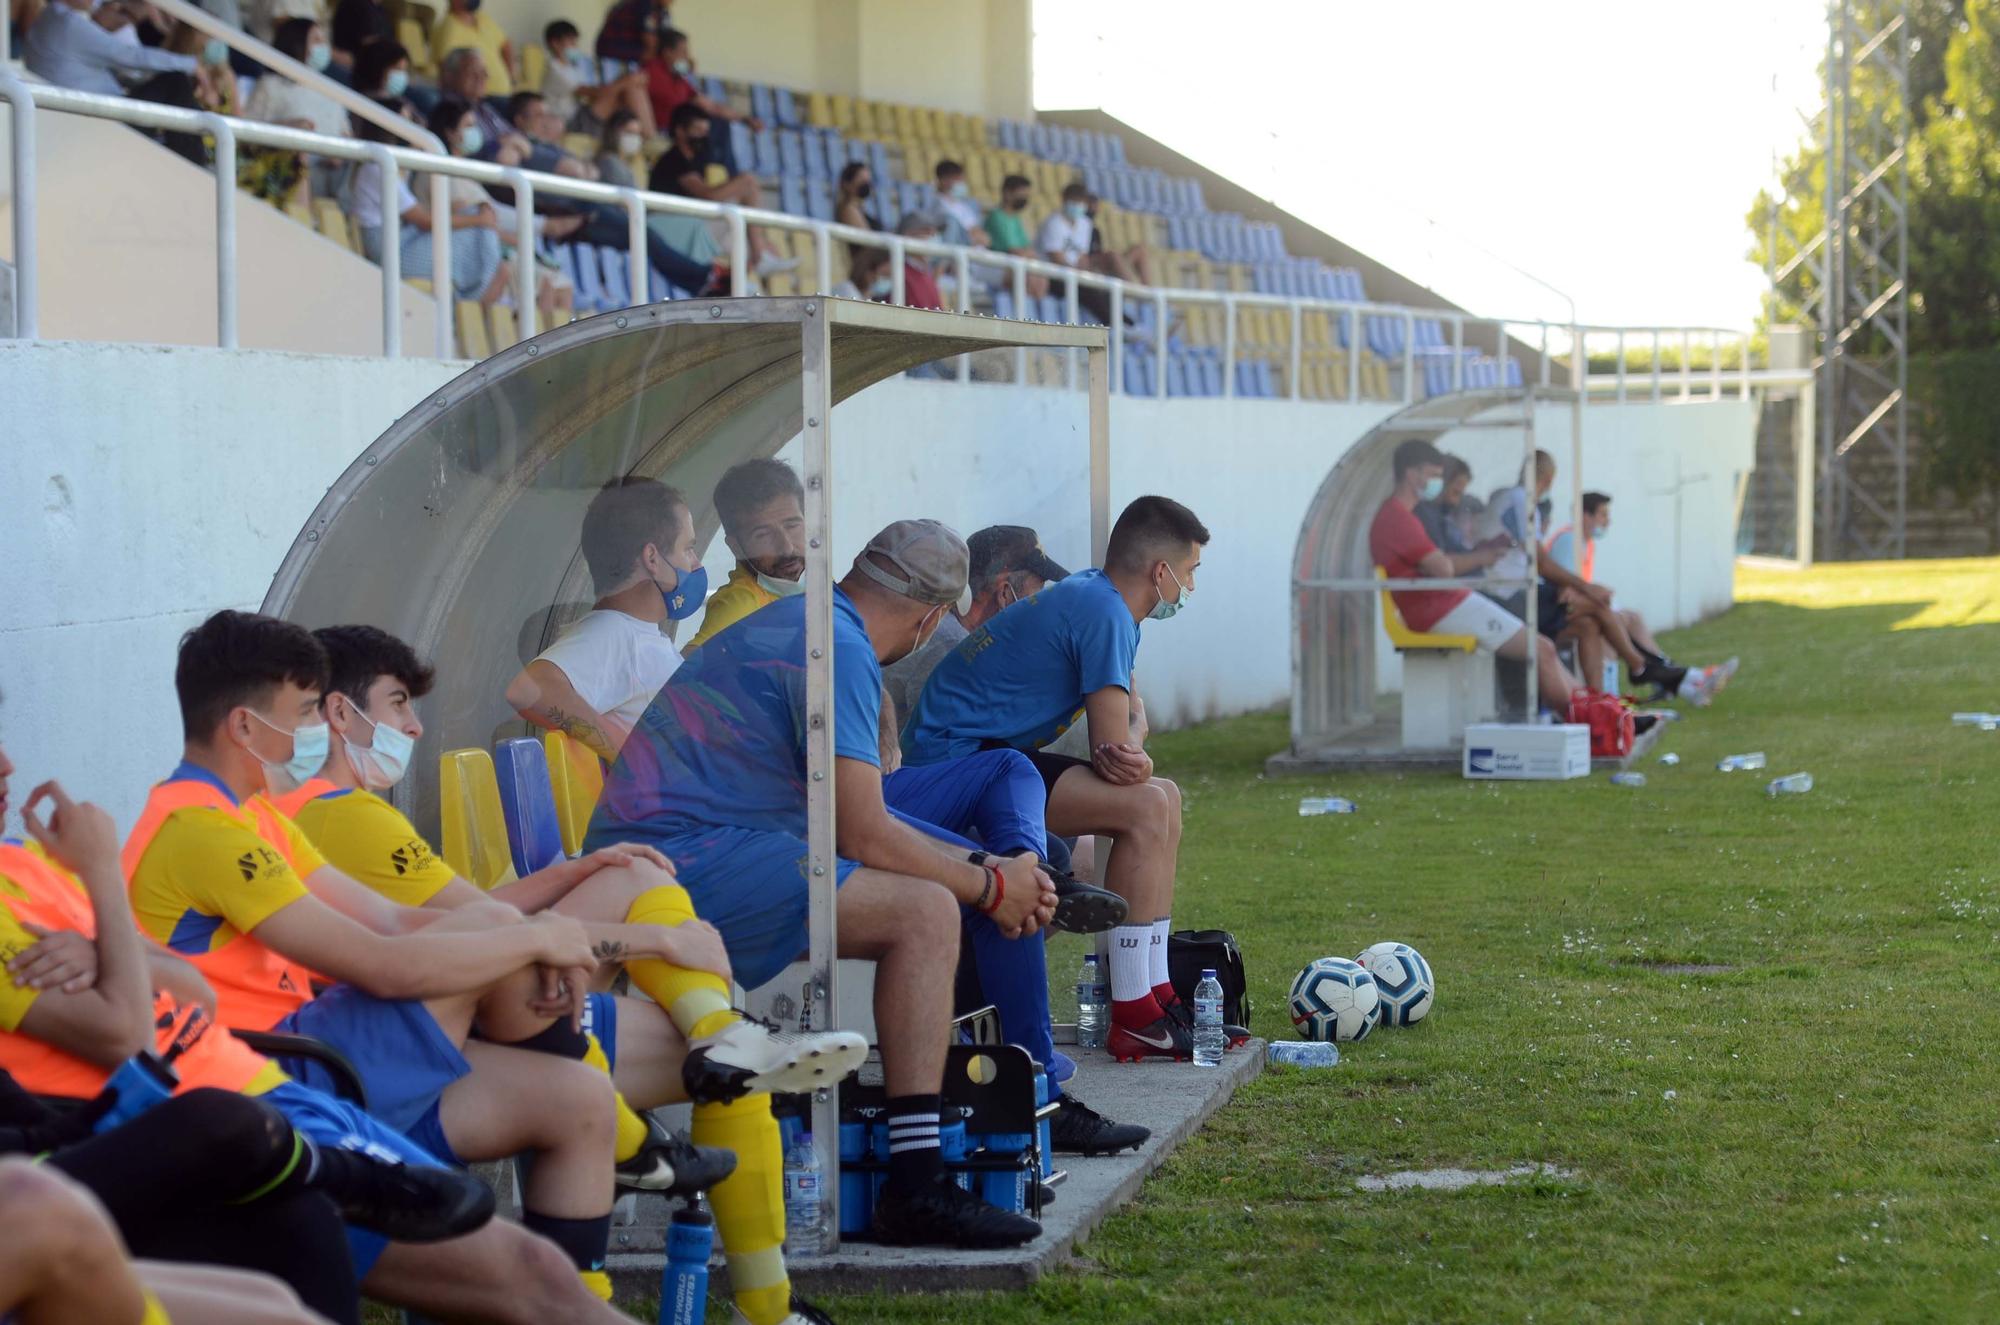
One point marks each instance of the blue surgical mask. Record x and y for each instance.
(397, 83)
(309, 747)
(470, 141)
(319, 55)
(1164, 609)
(1433, 488)
(961, 190)
(683, 67)
(1599, 535)
(215, 51)
(380, 764)
(687, 596)
(1076, 211)
(880, 287)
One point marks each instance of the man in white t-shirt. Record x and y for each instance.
(1065, 236)
(594, 683)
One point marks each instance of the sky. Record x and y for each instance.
(1606, 148)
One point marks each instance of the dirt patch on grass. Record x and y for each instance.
(1457, 1180)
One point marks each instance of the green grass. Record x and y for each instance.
(1830, 1148)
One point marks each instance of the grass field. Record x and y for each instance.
(1813, 1133)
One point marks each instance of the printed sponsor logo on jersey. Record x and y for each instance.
(258, 860)
(412, 856)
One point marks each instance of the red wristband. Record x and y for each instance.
(999, 889)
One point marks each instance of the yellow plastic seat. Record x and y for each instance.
(819, 110)
(410, 36)
(299, 210)
(840, 110)
(471, 320)
(534, 64)
(864, 117)
(332, 222)
(504, 328)
(1403, 637)
(582, 146)
(578, 778)
(473, 830)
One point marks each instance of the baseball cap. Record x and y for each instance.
(1002, 548)
(932, 558)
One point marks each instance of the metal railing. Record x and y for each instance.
(1347, 324)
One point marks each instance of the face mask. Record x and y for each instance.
(397, 83)
(961, 190)
(781, 588)
(309, 747)
(1164, 609)
(1433, 488)
(1017, 204)
(1074, 210)
(381, 764)
(471, 140)
(688, 594)
(579, 60)
(683, 67)
(1600, 535)
(319, 55)
(215, 51)
(880, 288)
(864, 189)
(630, 144)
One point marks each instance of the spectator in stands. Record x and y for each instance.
(960, 210)
(689, 169)
(714, 777)
(382, 69)
(1008, 233)
(66, 48)
(528, 115)
(670, 85)
(477, 270)
(920, 287)
(355, 24)
(581, 100)
(621, 147)
(222, 94)
(464, 25)
(867, 275)
(640, 921)
(761, 504)
(631, 31)
(1020, 680)
(1065, 234)
(1399, 545)
(278, 100)
(851, 195)
(1134, 263)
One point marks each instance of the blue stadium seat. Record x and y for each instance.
(528, 803)
(742, 144)
(814, 149)
(617, 283)
(762, 104)
(1135, 383)
(1512, 372)
(1003, 303)
(819, 200)
(1211, 375)
(711, 87)
(791, 153)
(792, 194)
(768, 163)
(1049, 308)
(788, 109)
(1177, 374)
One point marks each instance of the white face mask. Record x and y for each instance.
(309, 747)
(782, 588)
(630, 144)
(380, 764)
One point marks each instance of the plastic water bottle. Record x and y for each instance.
(1093, 1006)
(1670, 759)
(1795, 784)
(1208, 1021)
(141, 1081)
(684, 1277)
(1740, 763)
(1303, 1053)
(805, 1232)
(1986, 722)
(1313, 805)
(1628, 779)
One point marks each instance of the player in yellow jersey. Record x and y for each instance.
(637, 916)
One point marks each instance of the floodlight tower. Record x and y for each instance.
(1862, 277)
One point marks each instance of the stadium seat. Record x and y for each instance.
(528, 804)
(470, 320)
(472, 828)
(576, 778)
(504, 328)
(788, 109)
(332, 222)
(410, 34)
(534, 66)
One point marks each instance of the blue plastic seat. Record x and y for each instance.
(819, 200)
(788, 108)
(792, 194)
(814, 149)
(762, 104)
(791, 153)
(742, 144)
(1211, 375)
(528, 804)
(1177, 374)
(1511, 374)
(768, 162)
(617, 279)
(1003, 303)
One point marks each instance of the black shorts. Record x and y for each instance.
(1050, 766)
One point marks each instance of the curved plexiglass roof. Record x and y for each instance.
(457, 529)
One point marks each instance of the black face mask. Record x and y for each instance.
(864, 189)
(1016, 204)
(699, 148)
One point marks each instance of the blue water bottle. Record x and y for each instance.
(684, 1279)
(1042, 1128)
(141, 1081)
(856, 1193)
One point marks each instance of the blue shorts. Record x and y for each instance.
(337, 1125)
(404, 1057)
(600, 1018)
(751, 886)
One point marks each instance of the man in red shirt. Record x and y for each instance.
(920, 287)
(1403, 550)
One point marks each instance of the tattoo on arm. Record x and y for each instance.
(576, 728)
(608, 950)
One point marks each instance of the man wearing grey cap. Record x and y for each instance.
(715, 777)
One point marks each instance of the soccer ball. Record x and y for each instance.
(1403, 979)
(1335, 999)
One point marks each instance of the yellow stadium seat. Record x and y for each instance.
(1403, 637)
(472, 342)
(504, 328)
(819, 110)
(473, 830)
(864, 117)
(333, 223)
(578, 778)
(841, 111)
(298, 209)
(534, 64)
(410, 35)
(923, 123)
(975, 129)
(582, 146)
(422, 284)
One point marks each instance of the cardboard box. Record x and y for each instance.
(1527, 751)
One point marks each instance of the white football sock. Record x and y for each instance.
(1156, 960)
(1129, 963)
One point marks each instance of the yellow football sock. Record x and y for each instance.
(598, 1282)
(632, 1130)
(696, 1001)
(749, 1205)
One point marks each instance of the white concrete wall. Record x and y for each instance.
(149, 486)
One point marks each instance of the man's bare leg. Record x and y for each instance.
(1140, 824)
(501, 1275)
(63, 1261)
(909, 928)
(1550, 678)
(1635, 626)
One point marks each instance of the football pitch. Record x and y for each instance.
(1760, 1038)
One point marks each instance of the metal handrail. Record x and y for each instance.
(1347, 315)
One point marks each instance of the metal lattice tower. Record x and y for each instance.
(1862, 278)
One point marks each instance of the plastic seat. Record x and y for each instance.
(617, 282)
(792, 194)
(505, 328)
(791, 153)
(470, 319)
(576, 778)
(767, 162)
(762, 104)
(787, 107)
(589, 286)
(528, 805)
(1403, 637)
(473, 830)
(813, 147)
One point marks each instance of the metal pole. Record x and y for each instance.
(896, 261)
(392, 257)
(962, 269)
(739, 261)
(1804, 436)
(638, 265)
(1100, 453)
(1072, 317)
(444, 299)
(821, 1007)
(1298, 351)
(1530, 599)
(27, 281)
(1458, 354)
(1020, 270)
(1228, 346)
(822, 259)
(1409, 356)
(1117, 336)
(225, 230)
(1160, 344)
(1354, 354)
(524, 247)
(1544, 355)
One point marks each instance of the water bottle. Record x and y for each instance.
(1628, 779)
(1670, 759)
(684, 1277)
(805, 1234)
(141, 1081)
(1303, 1053)
(1313, 805)
(1740, 763)
(1093, 1005)
(1986, 722)
(1208, 1041)
(1796, 784)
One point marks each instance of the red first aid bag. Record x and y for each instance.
(1609, 720)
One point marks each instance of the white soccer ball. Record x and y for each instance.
(1403, 979)
(1335, 999)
